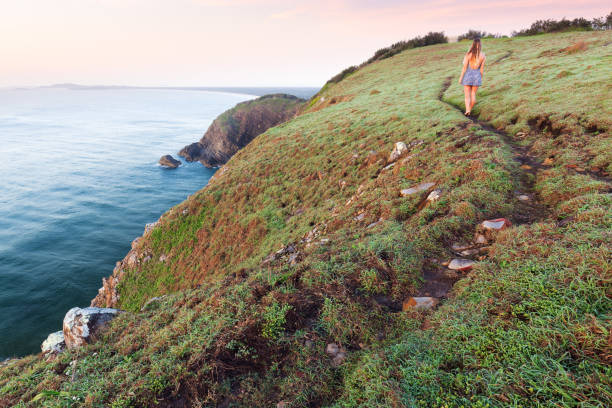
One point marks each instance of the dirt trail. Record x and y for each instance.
(525, 211)
(437, 281)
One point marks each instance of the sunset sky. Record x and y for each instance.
(234, 42)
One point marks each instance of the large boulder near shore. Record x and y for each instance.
(81, 325)
(236, 127)
(169, 162)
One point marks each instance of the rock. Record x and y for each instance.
(332, 349)
(293, 259)
(135, 242)
(497, 224)
(389, 166)
(434, 195)
(457, 247)
(480, 239)
(548, 161)
(360, 217)
(460, 264)
(150, 226)
(470, 252)
(238, 126)
(417, 189)
(169, 162)
(162, 258)
(399, 150)
(523, 197)
(419, 303)
(339, 359)
(81, 325)
(54, 343)
(150, 301)
(526, 167)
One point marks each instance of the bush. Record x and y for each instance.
(429, 39)
(473, 34)
(577, 24)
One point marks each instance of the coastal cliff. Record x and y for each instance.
(378, 250)
(236, 127)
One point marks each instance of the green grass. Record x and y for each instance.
(529, 326)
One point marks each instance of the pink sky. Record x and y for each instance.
(234, 42)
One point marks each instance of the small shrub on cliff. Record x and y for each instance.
(275, 318)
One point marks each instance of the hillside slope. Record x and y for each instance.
(303, 239)
(236, 127)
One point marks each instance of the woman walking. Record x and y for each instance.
(472, 73)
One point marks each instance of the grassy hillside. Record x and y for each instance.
(242, 325)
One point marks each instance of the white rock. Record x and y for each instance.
(398, 150)
(54, 343)
(460, 264)
(480, 239)
(149, 227)
(524, 197)
(419, 303)
(417, 189)
(496, 224)
(81, 324)
(332, 349)
(434, 195)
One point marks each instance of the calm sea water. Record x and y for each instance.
(79, 179)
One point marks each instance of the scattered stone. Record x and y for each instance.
(521, 134)
(54, 343)
(332, 349)
(146, 259)
(324, 241)
(150, 301)
(470, 252)
(497, 224)
(524, 197)
(163, 258)
(185, 211)
(526, 167)
(457, 247)
(293, 259)
(548, 161)
(339, 359)
(282, 404)
(150, 226)
(434, 195)
(372, 225)
(360, 217)
(460, 264)
(398, 151)
(389, 166)
(417, 189)
(80, 325)
(419, 303)
(135, 242)
(480, 239)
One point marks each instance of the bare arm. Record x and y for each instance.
(484, 58)
(465, 63)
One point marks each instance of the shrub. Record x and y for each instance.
(472, 34)
(577, 24)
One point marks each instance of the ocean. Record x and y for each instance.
(79, 180)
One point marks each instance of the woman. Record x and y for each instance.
(472, 73)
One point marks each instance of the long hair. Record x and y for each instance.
(474, 51)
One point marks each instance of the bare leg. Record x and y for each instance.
(468, 102)
(473, 97)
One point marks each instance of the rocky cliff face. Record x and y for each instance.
(235, 128)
